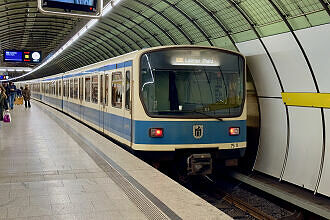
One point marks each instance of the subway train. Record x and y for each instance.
(167, 102)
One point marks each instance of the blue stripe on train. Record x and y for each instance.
(181, 132)
(175, 132)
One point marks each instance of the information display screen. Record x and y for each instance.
(13, 56)
(77, 5)
(22, 56)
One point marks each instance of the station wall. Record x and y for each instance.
(291, 139)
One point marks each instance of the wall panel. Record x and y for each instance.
(324, 187)
(316, 44)
(305, 147)
(273, 137)
(290, 63)
(261, 68)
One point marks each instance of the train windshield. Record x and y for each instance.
(192, 83)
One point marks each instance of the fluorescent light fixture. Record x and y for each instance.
(2, 70)
(11, 70)
(90, 24)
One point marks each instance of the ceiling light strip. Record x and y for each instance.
(80, 33)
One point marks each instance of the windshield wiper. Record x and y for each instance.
(202, 113)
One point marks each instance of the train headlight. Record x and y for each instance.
(156, 132)
(233, 131)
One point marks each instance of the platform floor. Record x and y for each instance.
(49, 170)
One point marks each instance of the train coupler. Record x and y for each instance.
(199, 164)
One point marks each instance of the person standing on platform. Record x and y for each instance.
(27, 95)
(12, 94)
(3, 98)
(19, 92)
(6, 88)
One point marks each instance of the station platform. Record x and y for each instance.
(53, 167)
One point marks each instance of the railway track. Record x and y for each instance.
(236, 200)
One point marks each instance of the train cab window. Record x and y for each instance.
(128, 91)
(106, 89)
(75, 88)
(71, 88)
(87, 89)
(116, 90)
(95, 89)
(81, 86)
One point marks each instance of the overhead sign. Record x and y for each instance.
(79, 8)
(3, 77)
(21, 56)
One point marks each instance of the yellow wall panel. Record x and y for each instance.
(317, 100)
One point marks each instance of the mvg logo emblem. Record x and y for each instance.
(198, 131)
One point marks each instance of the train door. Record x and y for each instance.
(102, 106)
(81, 97)
(106, 108)
(128, 104)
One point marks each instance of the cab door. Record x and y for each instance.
(127, 123)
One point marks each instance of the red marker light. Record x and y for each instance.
(233, 131)
(90, 8)
(156, 132)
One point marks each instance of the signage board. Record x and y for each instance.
(23, 56)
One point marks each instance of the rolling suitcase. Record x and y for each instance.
(19, 101)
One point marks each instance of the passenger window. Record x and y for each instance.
(64, 86)
(87, 89)
(95, 90)
(67, 88)
(101, 88)
(106, 89)
(71, 88)
(75, 88)
(59, 87)
(81, 86)
(56, 88)
(116, 90)
(128, 91)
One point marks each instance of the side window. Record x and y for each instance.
(81, 86)
(64, 88)
(59, 87)
(56, 88)
(71, 88)
(128, 91)
(88, 89)
(101, 89)
(75, 88)
(106, 89)
(95, 89)
(116, 90)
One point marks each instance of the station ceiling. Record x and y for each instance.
(136, 24)
(22, 27)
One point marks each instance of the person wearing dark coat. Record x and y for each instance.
(27, 95)
(12, 94)
(3, 98)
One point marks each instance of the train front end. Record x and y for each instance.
(191, 102)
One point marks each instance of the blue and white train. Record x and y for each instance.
(173, 100)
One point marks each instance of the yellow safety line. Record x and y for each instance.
(316, 100)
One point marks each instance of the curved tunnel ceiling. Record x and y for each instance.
(22, 27)
(136, 24)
